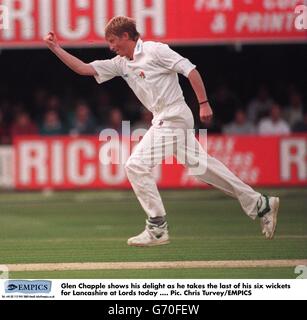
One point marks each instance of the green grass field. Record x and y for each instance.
(88, 226)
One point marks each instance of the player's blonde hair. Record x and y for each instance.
(120, 24)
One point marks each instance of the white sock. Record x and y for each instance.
(261, 204)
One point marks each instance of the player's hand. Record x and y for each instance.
(205, 113)
(51, 40)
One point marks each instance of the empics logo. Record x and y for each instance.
(11, 287)
(4, 17)
(301, 19)
(25, 286)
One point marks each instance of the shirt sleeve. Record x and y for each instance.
(172, 60)
(106, 69)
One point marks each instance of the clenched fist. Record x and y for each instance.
(205, 113)
(51, 40)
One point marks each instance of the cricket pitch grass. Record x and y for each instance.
(67, 235)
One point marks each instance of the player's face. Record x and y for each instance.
(118, 44)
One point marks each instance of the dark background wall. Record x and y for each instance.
(241, 70)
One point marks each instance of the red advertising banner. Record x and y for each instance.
(75, 163)
(24, 23)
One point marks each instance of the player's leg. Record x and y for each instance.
(213, 172)
(148, 153)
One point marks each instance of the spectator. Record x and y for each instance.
(52, 124)
(38, 104)
(240, 125)
(102, 103)
(82, 122)
(273, 125)
(260, 105)
(133, 107)
(115, 120)
(294, 112)
(301, 126)
(145, 121)
(53, 103)
(23, 125)
(224, 102)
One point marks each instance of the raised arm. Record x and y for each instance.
(198, 86)
(71, 61)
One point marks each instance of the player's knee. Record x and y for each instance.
(133, 166)
(130, 166)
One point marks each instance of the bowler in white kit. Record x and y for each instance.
(151, 71)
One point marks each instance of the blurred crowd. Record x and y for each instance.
(50, 114)
(262, 114)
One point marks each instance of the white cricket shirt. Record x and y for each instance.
(152, 75)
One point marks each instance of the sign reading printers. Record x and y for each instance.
(25, 286)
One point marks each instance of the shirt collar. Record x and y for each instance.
(138, 48)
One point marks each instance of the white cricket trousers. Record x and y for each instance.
(162, 141)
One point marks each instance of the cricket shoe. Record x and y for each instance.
(153, 235)
(267, 212)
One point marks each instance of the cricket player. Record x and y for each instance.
(151, 71)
